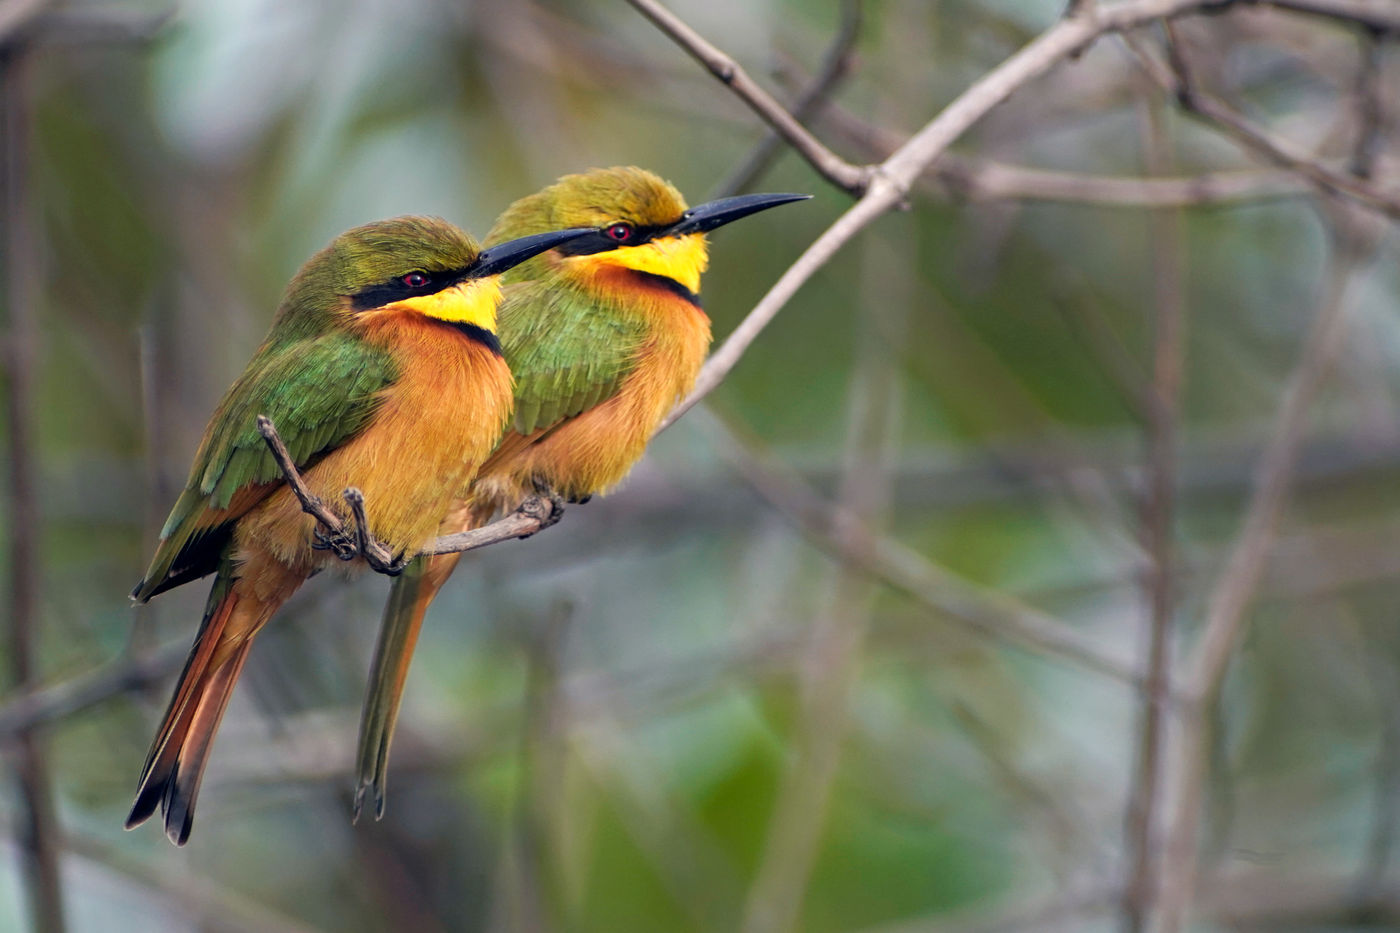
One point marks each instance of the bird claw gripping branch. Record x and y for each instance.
(374, 552)
(330, 533)
(338, 543)
(546, 506)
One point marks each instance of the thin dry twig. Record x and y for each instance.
(41, 706)
(1370, 114)
(17, 16)
(977, 178)
(1382, 16)
(989, 612)
(850, 178)
(1226, 615)
(534, 514)
(987, 180)
(1158, 519)
(1216, 112)
(836, 64)
(838, 635)
(890, 181)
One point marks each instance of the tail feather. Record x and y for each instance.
(182, 788)
(175, 764)
(412, 592)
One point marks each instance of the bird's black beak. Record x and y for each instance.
(714, 214)
(512, 253)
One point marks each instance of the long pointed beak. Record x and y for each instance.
(714, 214)
(511, 253)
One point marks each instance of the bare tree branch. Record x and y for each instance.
(984, 180)
(889, 182)
(994, 614)
(835, 66)
(1159, 530)
(838, 634)
(1246, 133)
(1370, 114)
(976, 178)
(18, 15)
(40, 706)
(534, 514)
(1383, 16)
(1226, 614)
(850, 178)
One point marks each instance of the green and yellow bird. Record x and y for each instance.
(604, 334)
(382, 370)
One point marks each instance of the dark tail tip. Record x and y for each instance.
(176, 805)
(147, 799)
(358, 806)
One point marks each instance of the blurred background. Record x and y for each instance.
(780, 680)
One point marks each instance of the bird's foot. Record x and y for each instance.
(340, 543)
(391, 567)
(546, 506)
(374, 551)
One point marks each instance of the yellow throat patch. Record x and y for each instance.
(472, 301)
(681, 258)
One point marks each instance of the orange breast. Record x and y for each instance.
(592, 452)
(436, 425)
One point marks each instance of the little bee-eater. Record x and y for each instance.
(605, 334)
(382, 370)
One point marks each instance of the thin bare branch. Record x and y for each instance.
(18, 15)
(1159, 520)
(311, 504)
(1226, 613)
(989, 612)
(986, 180)
(890, 182)
(1383, 16)
(40, 706)
(838, 635)
(534, 514)
(836, 64)
(850, 178)
(975, 178)
(1214, 111)
(1370, 114)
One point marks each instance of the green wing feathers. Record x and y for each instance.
(318, 392)
(565, 355)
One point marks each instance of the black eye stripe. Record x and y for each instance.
(395, 289)
(600, 242)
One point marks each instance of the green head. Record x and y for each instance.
(419, 264)
(641, 223)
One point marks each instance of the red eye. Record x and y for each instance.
(620, 232)
(415, 280)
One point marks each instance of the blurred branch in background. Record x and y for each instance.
(1159, 521)
(832, 656)
(835, 169)
(1226, 616)
(998, 615)
(882, 187)
(38, 823)
(835, 67)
